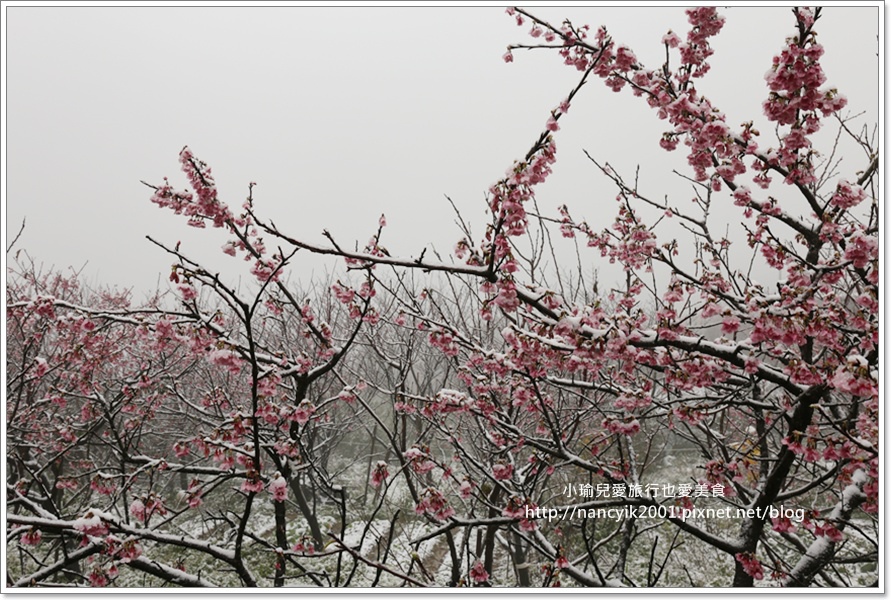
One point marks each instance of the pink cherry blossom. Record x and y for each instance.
(91, 524)
(303, 412)
(98, 578)
(478, 573)
(227, 359)
(502, 471)
(434, 504)
(465, 489)
(137, 509)
(750, 565)
(278, 487)
(252, 484)
(31, 537)
(379, 474)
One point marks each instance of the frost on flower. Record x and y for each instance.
(855, 378)
(303, 412)
(848, 195)
(278, 487)
(91, 524)
(419, 460)
(465, 489)
(137, 509)
(128, 551)
(40, 367)
(502, 472)
(671, 39)
(226, 359)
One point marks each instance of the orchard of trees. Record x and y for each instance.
(482, 419)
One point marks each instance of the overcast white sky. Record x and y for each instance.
(339, 115)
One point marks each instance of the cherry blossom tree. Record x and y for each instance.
(87, 397)
(171, 442)
(775, 387)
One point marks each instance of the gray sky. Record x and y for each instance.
(339, 115)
